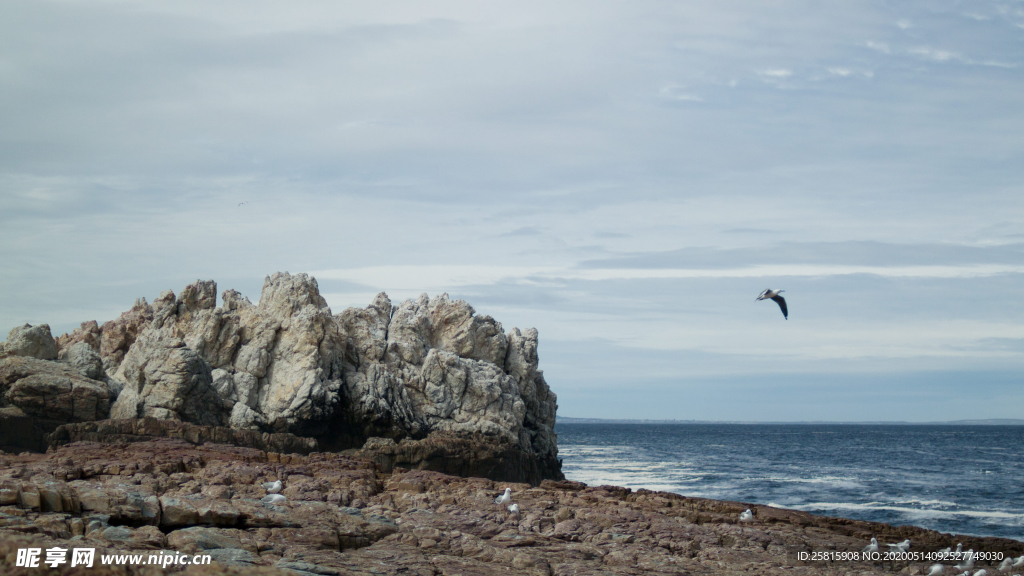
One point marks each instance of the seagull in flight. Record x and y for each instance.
(774, 295)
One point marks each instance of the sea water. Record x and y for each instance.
(959, 479)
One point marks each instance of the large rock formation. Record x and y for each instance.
(437, 381)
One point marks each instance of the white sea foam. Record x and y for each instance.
(999, 515)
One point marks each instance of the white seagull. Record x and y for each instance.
(1005, 565)
(774, 295)
(968, 561)
(981, 573)
(273, 499)
(513, 509)
(504, 498)
(746, 515)
(1018, 562)
(273, 487)
(935, 570)
(870, 548)
(901, 547)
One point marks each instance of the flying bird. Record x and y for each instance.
(774, 295)
(240, 203)
(871, 548)
(273, 487)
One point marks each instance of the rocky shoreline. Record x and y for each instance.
(344, 514)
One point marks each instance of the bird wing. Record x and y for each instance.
(782, 304)
(763, 294)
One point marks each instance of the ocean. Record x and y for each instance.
(960, 479)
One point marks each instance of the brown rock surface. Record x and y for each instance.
(344, 515)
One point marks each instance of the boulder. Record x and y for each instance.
(51, 391)
(82, 357)
(31, 342)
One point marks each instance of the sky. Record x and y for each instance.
(626, 177)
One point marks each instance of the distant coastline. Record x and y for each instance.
(984, 422)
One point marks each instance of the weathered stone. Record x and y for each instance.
(51, 390)
(118, 335)
(429, 369)
(87, 361)
(32, 342)
(166, 380)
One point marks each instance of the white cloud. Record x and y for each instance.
(882, 47)
(678, 93)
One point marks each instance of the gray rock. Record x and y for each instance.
(245, 418)
(87, 361)
(164, 379)
(52, 390)
(31, 341)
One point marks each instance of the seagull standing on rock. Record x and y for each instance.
(746, 515)
(968, 561)
(504, 498)
(871, 548)
(273, 487)
(936, 570)
(513, 509)
(774, 295)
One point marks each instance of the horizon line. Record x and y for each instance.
(965, 422)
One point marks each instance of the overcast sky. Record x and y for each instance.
(624, 176)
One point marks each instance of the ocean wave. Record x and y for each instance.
(1002, 516)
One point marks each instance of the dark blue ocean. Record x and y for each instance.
(960, 479)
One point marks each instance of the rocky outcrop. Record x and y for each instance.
(31, 342)
(441, 382)
(344, 515)
(51, 392)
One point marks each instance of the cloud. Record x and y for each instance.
(882, 47)
(938, 55)
(676, 93)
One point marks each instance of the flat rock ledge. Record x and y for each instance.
(347, 515)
